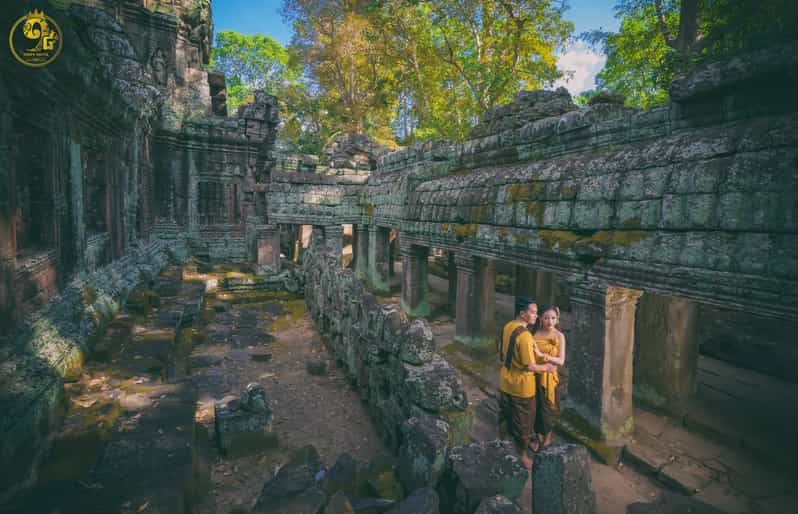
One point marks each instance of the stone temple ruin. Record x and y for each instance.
(668, 237)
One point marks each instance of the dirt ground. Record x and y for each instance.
(322, 411)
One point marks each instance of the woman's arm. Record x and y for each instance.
(559, 360)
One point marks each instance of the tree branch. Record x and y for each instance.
(666, 32)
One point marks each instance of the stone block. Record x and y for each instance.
(422, 455)
(381, 478)
(243, 425)
(435, 386)
(423, 501)
(346, 476)
(418, 345)
(498, 505)
(481, 470)
(563, 483)
(339, 504)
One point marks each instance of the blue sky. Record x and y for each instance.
(263, 16)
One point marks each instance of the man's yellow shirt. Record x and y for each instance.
(518, 380)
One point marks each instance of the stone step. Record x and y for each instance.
(152, 460)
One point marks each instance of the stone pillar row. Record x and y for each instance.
(598, 379)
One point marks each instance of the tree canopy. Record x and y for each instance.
(421, 69)
(660, 38)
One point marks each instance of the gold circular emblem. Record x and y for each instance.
(35, 39)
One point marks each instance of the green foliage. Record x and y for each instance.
(641, 63)
(252, 62)
(424, 69)
(258, 62)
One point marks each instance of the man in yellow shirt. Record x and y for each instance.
(517, 378)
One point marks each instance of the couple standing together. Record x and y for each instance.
(531, 351)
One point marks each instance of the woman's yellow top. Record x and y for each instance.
(518, 380)
(550, 345)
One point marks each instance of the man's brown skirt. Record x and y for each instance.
(518, 415)
(547, 412)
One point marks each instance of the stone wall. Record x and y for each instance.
(693, 200)
(76, 157)
(391, 360)
(50, 346)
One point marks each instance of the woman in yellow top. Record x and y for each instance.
(549, 349)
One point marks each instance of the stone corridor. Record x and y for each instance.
(138, 432)
(185, 308)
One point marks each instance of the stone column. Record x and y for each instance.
(334, 239)
(547, 287)
(599, 366)
(360, 250)
(666, 351)
(526, 283)
(475, 321)
(451, 272)
(392, 256)
(317, 237)
(414, 280)
(378, 278)
(8, 236)
(268, 237)
(78, 209)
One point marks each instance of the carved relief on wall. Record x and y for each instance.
(158, 67)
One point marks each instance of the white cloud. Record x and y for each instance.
(584, 64)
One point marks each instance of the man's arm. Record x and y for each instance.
(528, 359)
(541, 368)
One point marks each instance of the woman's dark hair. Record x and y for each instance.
(522, 303)
(542, 311)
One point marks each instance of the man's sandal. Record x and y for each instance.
(535, 445)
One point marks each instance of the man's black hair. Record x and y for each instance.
(522, 303)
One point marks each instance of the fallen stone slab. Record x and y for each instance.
(671, 503)
(562, 482)
(481, 470)
(260, 356)
(422, 455)
(423, 501)
(647, 454)
(244, 424)
(686, 475)
(293, 489)
(498, 505)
